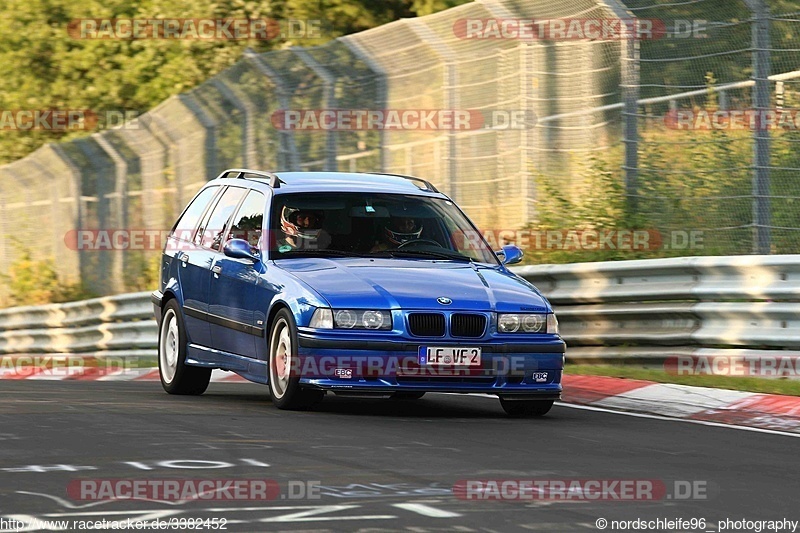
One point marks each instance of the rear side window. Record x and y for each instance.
(184, 228)
(212, 231)
(249, 220)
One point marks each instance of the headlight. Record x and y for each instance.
(351, 319)
(345, 318)
(527, 323)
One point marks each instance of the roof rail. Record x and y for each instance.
(274, 180)
(428, 184)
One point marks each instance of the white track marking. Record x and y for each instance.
(653, 417)
(687, 420)
(425, 510)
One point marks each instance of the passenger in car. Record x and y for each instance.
(303, 229)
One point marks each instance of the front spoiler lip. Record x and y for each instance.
(551, 391)
(516, 394)
(405, 345)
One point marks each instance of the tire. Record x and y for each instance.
(407, 395)
(284, 387)
(176, 376)
(526, 408)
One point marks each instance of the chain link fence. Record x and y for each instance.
(603, 143)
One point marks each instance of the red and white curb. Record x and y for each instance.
(766, 411)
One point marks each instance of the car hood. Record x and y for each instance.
(414, 284)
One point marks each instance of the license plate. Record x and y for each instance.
(449, 356)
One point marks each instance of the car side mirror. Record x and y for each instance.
(240, 249)
(511, 254)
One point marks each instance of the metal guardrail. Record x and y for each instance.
(625, 311)
(120, 325)
(647, 310)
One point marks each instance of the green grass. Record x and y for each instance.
(763, 385)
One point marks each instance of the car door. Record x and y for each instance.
(192, 267)
(233, 291)
(196, 263)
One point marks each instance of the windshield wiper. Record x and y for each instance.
(424, 253)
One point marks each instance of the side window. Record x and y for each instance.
(186, 225)
(214, 228)
(250, 218)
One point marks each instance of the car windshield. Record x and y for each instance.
(373, 225)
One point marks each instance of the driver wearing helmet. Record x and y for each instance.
(400, 230)
(302, 229)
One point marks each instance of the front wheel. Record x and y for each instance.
(176, 376)
(284, 384)
(526, 408)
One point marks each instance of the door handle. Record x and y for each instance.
(216, 269)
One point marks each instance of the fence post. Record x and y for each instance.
(383, 91)
(629, 82)
(761, 137)
(328, 102)
(230, 93)
(210, 124)
(288, 150)
(451, 100)
(120, 212)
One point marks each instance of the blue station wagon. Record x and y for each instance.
(350, 283)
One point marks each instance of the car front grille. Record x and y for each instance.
(426, 324)
(467, 325)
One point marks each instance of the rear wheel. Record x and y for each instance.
(526, 408)
(176, 376)
(284, 384)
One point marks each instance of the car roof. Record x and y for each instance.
(294, 182)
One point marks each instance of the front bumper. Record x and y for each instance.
(518, 369)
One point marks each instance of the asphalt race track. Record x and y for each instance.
(374, 465)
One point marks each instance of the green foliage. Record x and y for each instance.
(43, 67)
(141, 271)
(699, 181)
(32, 282)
